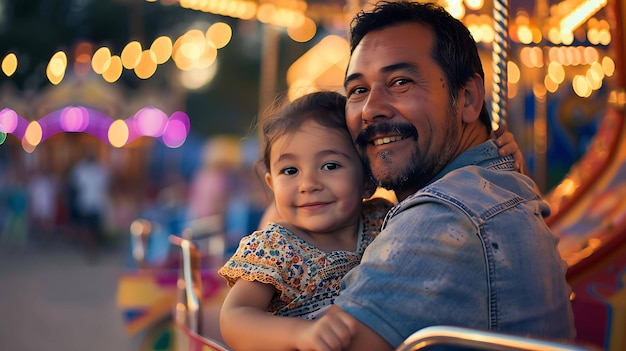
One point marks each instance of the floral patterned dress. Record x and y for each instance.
(306, 279)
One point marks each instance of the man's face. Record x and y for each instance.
(398, 108)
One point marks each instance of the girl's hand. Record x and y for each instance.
(332, 332)
(508, 146)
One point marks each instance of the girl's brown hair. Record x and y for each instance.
(325, 108)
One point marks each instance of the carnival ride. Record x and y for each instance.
(588, 214)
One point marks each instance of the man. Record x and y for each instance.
(467, 244)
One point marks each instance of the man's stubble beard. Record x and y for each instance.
(420, 169)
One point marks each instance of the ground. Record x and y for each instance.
(57, 298)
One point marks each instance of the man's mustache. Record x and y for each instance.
(364, 137)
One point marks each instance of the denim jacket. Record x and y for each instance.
(469, 249)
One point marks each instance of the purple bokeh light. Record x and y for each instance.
(74, 119)
(149, 121)
(175, 134)
(12, 123)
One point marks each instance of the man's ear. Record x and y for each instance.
(268, 181)
(369, 188)
(473, 98)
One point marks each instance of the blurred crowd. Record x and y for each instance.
(90, 198)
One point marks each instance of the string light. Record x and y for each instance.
(147, 122)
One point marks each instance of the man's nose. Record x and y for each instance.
(376, 105)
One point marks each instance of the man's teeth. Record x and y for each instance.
(387, 140)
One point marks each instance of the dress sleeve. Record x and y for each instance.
(266, 256)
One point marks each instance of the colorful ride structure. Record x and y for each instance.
(589, 215)
(159, 295)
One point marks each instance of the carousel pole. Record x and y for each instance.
(499, 94)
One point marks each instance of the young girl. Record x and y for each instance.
(294, 265)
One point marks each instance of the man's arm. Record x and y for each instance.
(425, 268)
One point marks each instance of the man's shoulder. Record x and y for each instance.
(476, 190)
(477, 179)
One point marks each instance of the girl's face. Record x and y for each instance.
(317, 179)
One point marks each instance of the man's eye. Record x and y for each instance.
(401, 81)
(357, 91)
(289, 171)
(330, 166)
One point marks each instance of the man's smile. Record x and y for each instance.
(385, 133)
(387, 140)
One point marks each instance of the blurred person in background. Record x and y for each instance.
(43, 190)
(89, 180)
(209, 192)
(14, 232)
(4, 191)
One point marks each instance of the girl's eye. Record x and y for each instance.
(289, 171)
(329, 166)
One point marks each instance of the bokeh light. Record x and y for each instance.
(101, 60)
(9, 64)
(33, 133)
(581, 86)
(8, 120)
(175, 133)
(183, 118)
(56, 67)
(114, 71)
(208, 57)
(162, 48)
(147, 65)
(118, 133)
(74, 119)
(556, 72)
(131, 54)
(513, 72)
(219, 34)
(608, 65)
(151, 121)
(303, 33)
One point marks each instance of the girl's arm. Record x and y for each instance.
(245, 324)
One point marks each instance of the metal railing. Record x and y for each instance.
(457, 337)
(188, 308)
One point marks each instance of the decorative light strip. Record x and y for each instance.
(195, 49)
(149, 121)
(581, 14)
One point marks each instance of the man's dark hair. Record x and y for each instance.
(454, 49)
